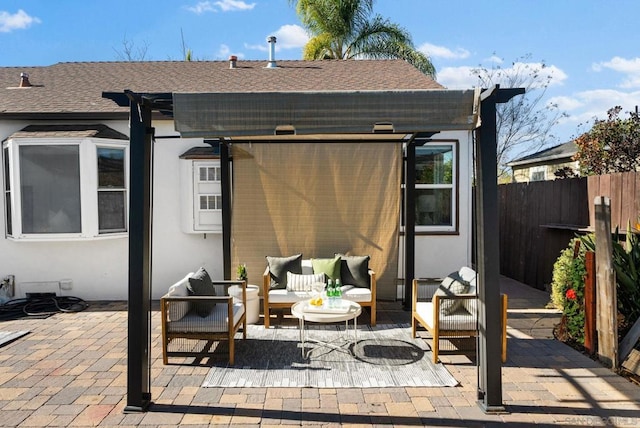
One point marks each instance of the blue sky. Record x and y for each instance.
(591, 47)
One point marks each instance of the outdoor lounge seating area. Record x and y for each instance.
(200, 309)
(449, 309)
(288, 280)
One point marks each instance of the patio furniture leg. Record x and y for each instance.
(267, 316)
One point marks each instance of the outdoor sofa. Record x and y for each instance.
(287, 280)
(191, 310)
(449, 309)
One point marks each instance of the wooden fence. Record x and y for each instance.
(538, 219)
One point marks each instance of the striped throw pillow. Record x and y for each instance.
(296, 282)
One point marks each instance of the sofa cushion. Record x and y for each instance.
(450, 286)
(200, 285)
(328, 267)
(279, 266)
(297, 282)
(283, 296)
(354, 270)
(177, 310)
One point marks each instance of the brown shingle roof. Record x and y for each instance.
(77, 87)
(69, 131)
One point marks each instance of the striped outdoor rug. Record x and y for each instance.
(384, 356)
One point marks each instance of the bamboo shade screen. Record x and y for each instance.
(317, 199)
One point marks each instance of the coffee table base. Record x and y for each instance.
(350, 313)
(304, 339)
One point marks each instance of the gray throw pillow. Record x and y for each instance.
(200, 285)
(450, 286)
(279, 266)
(354, 270)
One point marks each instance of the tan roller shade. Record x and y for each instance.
(317, 199)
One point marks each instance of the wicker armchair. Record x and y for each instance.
(427, 310)
(180, 320)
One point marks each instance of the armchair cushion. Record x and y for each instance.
(354, 270)
(279, 266)
(217, 321)
(200, 285)
(452, 285)
(328, 267)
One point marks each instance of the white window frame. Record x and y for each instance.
(123, 189)
(453, 227)
(88, 187)
(536, 170)
(214, 165)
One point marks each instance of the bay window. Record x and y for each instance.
(65, 188)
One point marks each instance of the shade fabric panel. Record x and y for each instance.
(260, 113)
(317, 199)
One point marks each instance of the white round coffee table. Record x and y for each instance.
(344, 310)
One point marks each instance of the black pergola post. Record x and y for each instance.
(489, 358)
(409, 223)
(140, 202)
(225, 169)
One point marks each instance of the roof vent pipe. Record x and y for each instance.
(272, 52)
(24, 80)
(232, 61)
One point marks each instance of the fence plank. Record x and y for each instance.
(606, 300)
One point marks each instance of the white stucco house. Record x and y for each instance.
(65, 175)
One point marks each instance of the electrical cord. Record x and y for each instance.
(41, 306)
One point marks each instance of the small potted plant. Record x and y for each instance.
(241, 272)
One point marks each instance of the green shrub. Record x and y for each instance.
(568, 274)
(567, 290)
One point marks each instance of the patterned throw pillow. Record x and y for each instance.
(297, 282)
(450, 286)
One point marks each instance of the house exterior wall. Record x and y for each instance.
(97, 269)
(437, 255)
(523, 174)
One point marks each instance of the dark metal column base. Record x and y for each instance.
(492, 410)
(146, 402)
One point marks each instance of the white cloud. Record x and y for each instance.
(457, 77)
(494, 59)
(224, 52)
(628, 67)
(583, 107)
(220, 6)
(287, 37)
(232, 5)
(516, 75)
(18, 21)
(291, 37)
(434, 51)
(565, 103)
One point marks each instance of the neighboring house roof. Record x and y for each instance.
(69, 131)
(76, 88)
(561, 151)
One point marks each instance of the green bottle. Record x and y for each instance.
(330, 289)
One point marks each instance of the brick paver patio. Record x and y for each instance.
(71, 371)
